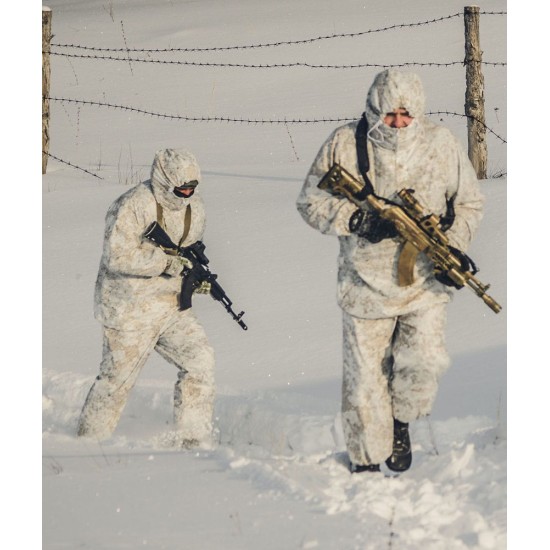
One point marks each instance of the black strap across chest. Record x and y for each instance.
(362, 152)
(447, 220)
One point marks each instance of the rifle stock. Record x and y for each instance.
(420, 231)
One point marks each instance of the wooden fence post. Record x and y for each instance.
(46, 71)
(475, 101)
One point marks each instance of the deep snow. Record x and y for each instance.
(277, 479)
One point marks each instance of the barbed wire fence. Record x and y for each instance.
(243, 120)
(472, 61)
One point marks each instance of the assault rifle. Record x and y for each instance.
(195, 275)
(421, 232)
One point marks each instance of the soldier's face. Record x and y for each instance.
(399, 118)
(186, 189)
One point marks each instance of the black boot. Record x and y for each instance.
(401, 457)
(358, 468)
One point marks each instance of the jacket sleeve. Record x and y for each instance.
(329, 215)
(468, 202)
(125, 252)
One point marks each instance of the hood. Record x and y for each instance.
(172, 168)
(392, 90)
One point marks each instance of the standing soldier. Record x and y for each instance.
(394, 336)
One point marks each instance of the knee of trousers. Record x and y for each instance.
(420, 367)
(124, 355)
(198, 365)
(413, 394)
(114, 384)
(196, 381)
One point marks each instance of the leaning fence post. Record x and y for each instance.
(46, 39)
(475, 102)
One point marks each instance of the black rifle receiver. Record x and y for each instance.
(193, 276)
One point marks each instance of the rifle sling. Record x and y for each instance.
(362, 153)
(186, 221)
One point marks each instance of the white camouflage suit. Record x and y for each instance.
(394, 337)
(136, 300)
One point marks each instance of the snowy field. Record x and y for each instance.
(277, 478)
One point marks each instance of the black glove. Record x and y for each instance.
(371, 226)
(443, 276)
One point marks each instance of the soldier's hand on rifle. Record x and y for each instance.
(204, 288)
(176, 264)
(371, 226)
(443, 276)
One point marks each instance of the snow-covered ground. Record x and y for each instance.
(277, 478)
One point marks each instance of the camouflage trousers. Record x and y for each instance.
(183, 343)
(391, 370)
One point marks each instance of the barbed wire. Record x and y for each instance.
(279, 43)
(276, 65)
(430, 113)
(244, 120)
(73, 165)
(199, 119)
(284, 121)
